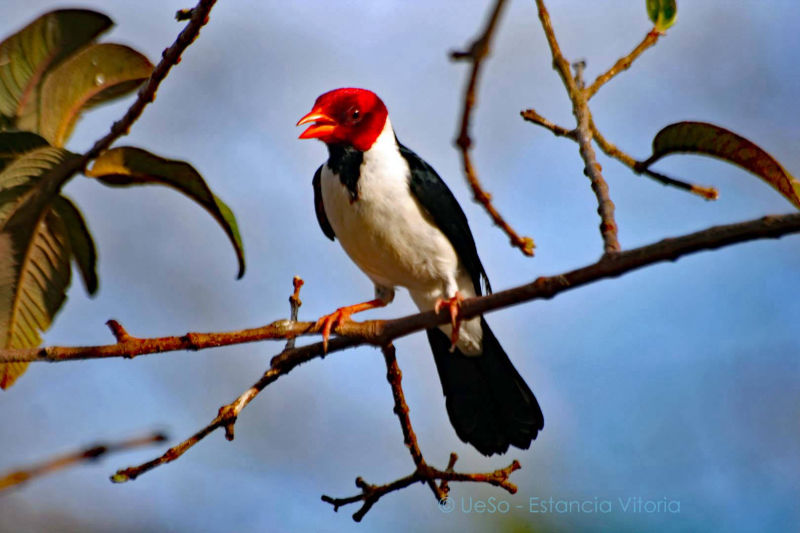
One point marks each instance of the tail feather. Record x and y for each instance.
(488, 402)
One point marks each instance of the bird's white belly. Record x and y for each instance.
(387, 235)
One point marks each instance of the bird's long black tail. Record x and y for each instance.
(488, 402)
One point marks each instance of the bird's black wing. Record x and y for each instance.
(437, 199)
(322, 218)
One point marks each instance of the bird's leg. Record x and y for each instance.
(454, 304)
(341, 315)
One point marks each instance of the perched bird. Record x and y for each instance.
(398, 221)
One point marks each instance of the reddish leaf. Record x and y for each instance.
(708, 139)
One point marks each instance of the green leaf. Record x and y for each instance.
(96, 74)
(15, 143)
(662, 13)
(133, 166)
(29, 53)
(80, 240)
(708, 139)
(34, 250)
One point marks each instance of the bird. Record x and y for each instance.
(402, 226)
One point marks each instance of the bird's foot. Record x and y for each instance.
(326, 323)
(454, 304)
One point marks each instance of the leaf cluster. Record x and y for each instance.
(51, 72)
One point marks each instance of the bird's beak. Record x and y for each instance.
(321, 126)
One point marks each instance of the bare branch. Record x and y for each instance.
(623, 63)
(91, 453)
(395, 377)
(372, 493)
(530, 115)
(227, 414)
(580, 108)
(709, 193)
(559, 131)
(476, 53)
(131, 346)
(381, 332)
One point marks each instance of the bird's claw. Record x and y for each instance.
(454, 304)
(328, 322)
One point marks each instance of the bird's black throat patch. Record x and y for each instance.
(345, 161)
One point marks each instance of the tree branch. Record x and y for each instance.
(381, 332)
(395, 377)
(611, 150)
(91, 453)
(423, 472)
(147, 93)
(227, 414)
(623, 63)
(476, 53)
(580, 108)
(709, 193)
(559, 131)
(372, 493)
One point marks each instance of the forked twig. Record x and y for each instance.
(476, 53)
(423, 472)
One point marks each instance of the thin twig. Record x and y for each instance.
(372, 493)
(294, 307)
(382, 332)
(580, 108)
(559, 131)
(709, 193)
(623, 63)
(476, 53)
(91, 453)
(147, 93)
(530, 115)
(226, 418)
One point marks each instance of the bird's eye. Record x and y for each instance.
(355, 114)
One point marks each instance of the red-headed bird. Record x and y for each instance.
(398, 221)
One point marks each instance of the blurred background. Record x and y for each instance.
(677, 383)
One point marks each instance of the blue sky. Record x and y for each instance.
(677, 383)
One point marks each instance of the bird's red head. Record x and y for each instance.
(346, 116)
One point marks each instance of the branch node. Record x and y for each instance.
(119, 332)
(227, 415)
(294, 299)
